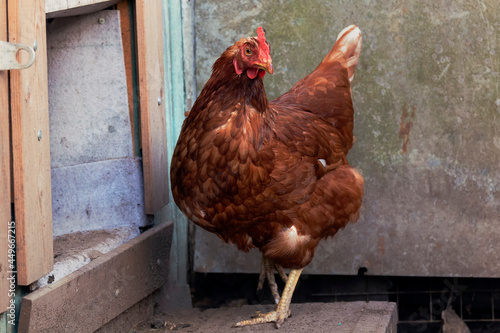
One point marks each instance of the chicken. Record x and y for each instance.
(271, 175)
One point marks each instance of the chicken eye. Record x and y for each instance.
(248, 51)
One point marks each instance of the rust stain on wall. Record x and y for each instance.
(381, 245)
(405, 126)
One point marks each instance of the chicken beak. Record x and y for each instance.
(270, 68)
(267, 66)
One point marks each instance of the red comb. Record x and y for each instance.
(261, 38)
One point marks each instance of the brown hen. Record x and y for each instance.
(271, 175)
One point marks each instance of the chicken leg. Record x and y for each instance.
(267, 268)
(282, 310)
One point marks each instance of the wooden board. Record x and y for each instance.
(96, 293)
(4, 169)
(126, 20)
(149, 34)
(59, 8)
(177, 50)
(333, 317)
(30, 144)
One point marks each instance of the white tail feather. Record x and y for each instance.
(349, 43)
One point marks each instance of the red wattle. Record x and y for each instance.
(252, 72)
(236, 67)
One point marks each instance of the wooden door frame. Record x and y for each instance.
(30, 144)
(26, 147)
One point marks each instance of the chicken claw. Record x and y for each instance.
(282, 310)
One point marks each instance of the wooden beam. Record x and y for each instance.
(30, 144)
(149, 35)
(98, 292)
(5, 214)
(178, 91)
(126, 20)
(60, 8)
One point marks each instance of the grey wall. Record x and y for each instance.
(427, 124)
(96, 179)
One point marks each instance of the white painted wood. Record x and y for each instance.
(58, 8)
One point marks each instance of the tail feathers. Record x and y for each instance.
(349, 43)
(326, 91)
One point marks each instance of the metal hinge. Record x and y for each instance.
(8, 56)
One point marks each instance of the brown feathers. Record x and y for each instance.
(272, 175)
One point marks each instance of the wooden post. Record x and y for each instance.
(5, 214)
(152, 103)
(128, 39)
(180, 88)
(30, 144)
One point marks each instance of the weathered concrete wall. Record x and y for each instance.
(427, 124)
(96, 179)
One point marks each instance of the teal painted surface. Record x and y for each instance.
(175, 103)
(6, 320)
(5, 326)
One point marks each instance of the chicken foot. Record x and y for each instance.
(282, 310)
(267, 269)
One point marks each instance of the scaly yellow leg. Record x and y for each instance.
(282, 310)
(281, 273)
(267, 268)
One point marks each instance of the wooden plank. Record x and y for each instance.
(60, 8)
(149, 35)
(126, 21)
(30, 144)
(338, 317)
(5, 214)
(177, 50)
(96, 293)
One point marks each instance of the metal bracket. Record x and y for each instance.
(8, 56)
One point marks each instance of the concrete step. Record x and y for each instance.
(340, 317)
